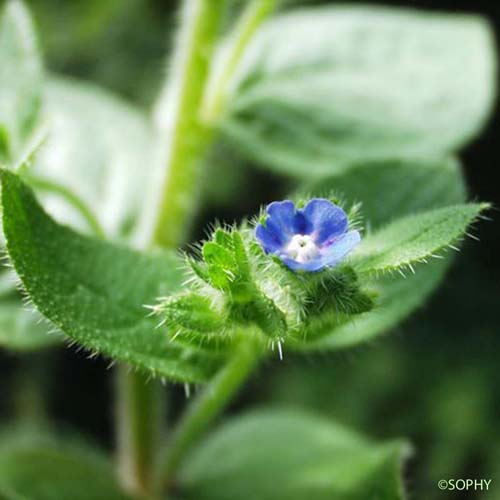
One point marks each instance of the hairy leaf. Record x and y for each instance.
(321, 88)
(397, 298)
(93, 139)
(311, 458)
(191, 319)
(95, 291)
(96, 149)
(20, 79)
(337, 301)
(414, 238)
(38, 467)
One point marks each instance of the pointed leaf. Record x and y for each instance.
(94, 291)
(415, 238)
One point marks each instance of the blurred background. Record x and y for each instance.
(434, 380)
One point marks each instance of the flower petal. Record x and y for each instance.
(326, 219)
(339, 249)
(268, 240)
(311, 266)
(284, 220)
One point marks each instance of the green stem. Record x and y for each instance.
(251, 19)
(66, 193)
(208, 405)
(188, 137)
(199, 106)
(139, 413)
(137, 400)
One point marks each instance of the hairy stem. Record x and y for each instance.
(188, 136)
(179, 121)
(139, 412)
(208, 405)
(139, 401)
(252, 17)
(206, 101)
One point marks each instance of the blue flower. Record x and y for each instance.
(308, 239)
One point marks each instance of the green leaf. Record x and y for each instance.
(101, 149)
(220, 264)
(227, 266)
(336, 301)
(20, 79)
(34, 466)
(192, 312)
(414, 238)
(192, 320)
(94, 291)
(388, 190)
(264, 312)
(92, 138)
(321, 88)
(312, 457)
(397, 298)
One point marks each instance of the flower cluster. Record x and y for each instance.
(308, 239)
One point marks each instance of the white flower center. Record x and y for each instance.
(302, 248)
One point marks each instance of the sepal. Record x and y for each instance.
(234, 287)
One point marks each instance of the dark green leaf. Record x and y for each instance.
(321, 88)
(290, 455)
(94, 291)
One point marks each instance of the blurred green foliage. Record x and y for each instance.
(120, 44)
(438, 383)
